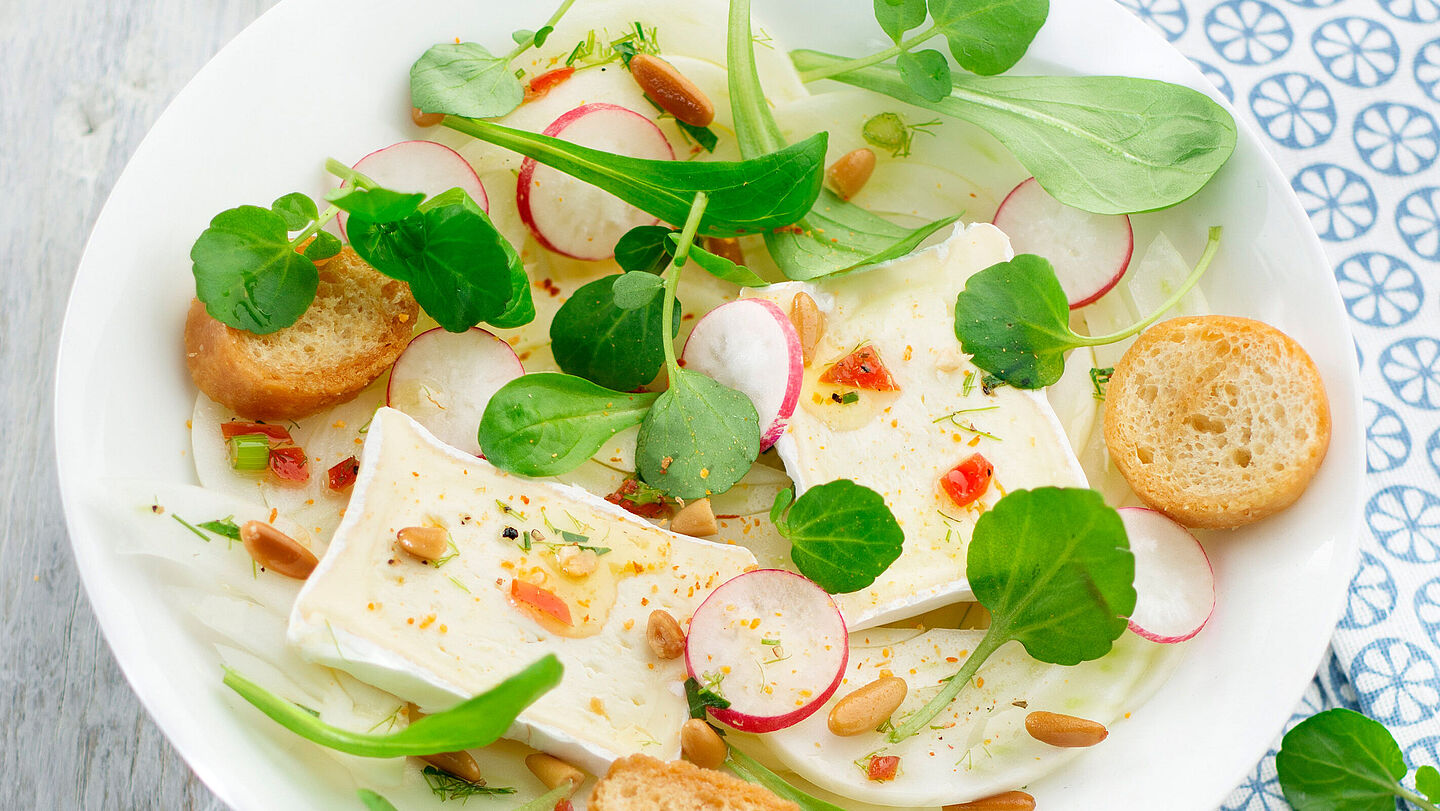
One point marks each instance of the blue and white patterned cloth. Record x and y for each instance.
(1347, 95)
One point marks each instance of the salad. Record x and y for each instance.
(893, 583)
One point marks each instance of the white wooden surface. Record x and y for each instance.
(80, 84)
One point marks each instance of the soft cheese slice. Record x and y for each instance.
(901, 443)
(435, 635)
(978, 746)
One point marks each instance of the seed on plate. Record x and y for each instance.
(809, 324)
(669, 88)
(425, 119)
(1004, 801)
(849, 174)
(700, 745)
(552, 771)
(868, 707)
(695, 519)
(460, 764)
(664, 635)
(1064, 730)
(726, 248)
(577, 562)
(426, 543)
(276, 551)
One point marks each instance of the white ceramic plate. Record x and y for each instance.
(317, 78)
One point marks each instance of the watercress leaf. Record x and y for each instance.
(925, 72)
(323, 246)
(842, 536)
(521, 309)
(1427, 780)
(1339, 760)
(644, 248)
(522, 36)
(636, 289)
(1107, 144)
(719, 266)
(248, 274)
(296, 209)
(480, 721)
(373, 801)
(989, 36)
(542, 35)
(836, 237)
(1014, 320)
(699, 438)
(898, 16)
(464, 79)
(767, 191)
(1054, 567)
(549, 423)
(750, 770)
(620, 349)
(375, 204)
(783, 500)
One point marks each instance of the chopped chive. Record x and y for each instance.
(190, 527)
(249, 452)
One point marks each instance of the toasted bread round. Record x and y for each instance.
(359, 323)
(642, 783)
(1216, 421)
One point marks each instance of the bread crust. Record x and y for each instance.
(642, 783)
(1217, 421)
(265, 377)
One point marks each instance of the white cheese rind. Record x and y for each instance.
(439, 635)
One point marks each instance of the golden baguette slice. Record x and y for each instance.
(1216, 421)
(359, 323)
(642, 783)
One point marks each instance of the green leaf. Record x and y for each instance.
(750, 770)
(543, 34)
(296, 209)
(1427, 780)
(925, 72)
(1014, 320)
(374, 802)
(1107, 144)
(619, 349)
(522, 36)
(1339, 760)
(548, 423)
(323, 246)
(644, 248)
(457, 263)
(636, 289)
(521, 309)
(719, 266)
(898, 16)
(842, 536)
(248, 274)
(750, 196)
(464, 79)
(701, 699)
(375, 204)
(989, 36)
(480, 721)
(699, 438)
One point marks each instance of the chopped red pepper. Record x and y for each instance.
(547, 81)
(289, 463)
(968, 480)
(564, 804)
(236, 428)
(651, 508)
(342, 475)
(542, 600)
(862, 369)
(883, 767)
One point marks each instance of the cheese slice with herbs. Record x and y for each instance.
(437, 633)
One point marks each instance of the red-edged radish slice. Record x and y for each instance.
(570, 216)
(751, 346)
(445, 379)
(1089, 251)
(773, 644)
(1174, 585)
(422, 166)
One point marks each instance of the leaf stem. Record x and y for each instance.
(314, 228)
(550, 23)
(994, 638)
(348, 175)
(672, 279)
(816, 74)
(1212, 246)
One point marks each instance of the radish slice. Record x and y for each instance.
(751, 346)
(1089, 251)
(570, 216)
(422, 166)
(1174, 584)
(773, 644)
(445, 379)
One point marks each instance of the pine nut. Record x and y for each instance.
(669, 88)
(1064, 730)
(726, 248)
(849, 174)
(809, 324)
(425, 119)
(460, 764)
(577, 562)
(663, 633)
(868, 707)
(552, 771)
(700, 745)
(1004, 801)
(695, 519)
(426, 543)
(276, 551)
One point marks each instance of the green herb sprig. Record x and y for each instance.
(750, 770)
(1339, 759)
(548, 423)
(842, 535)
